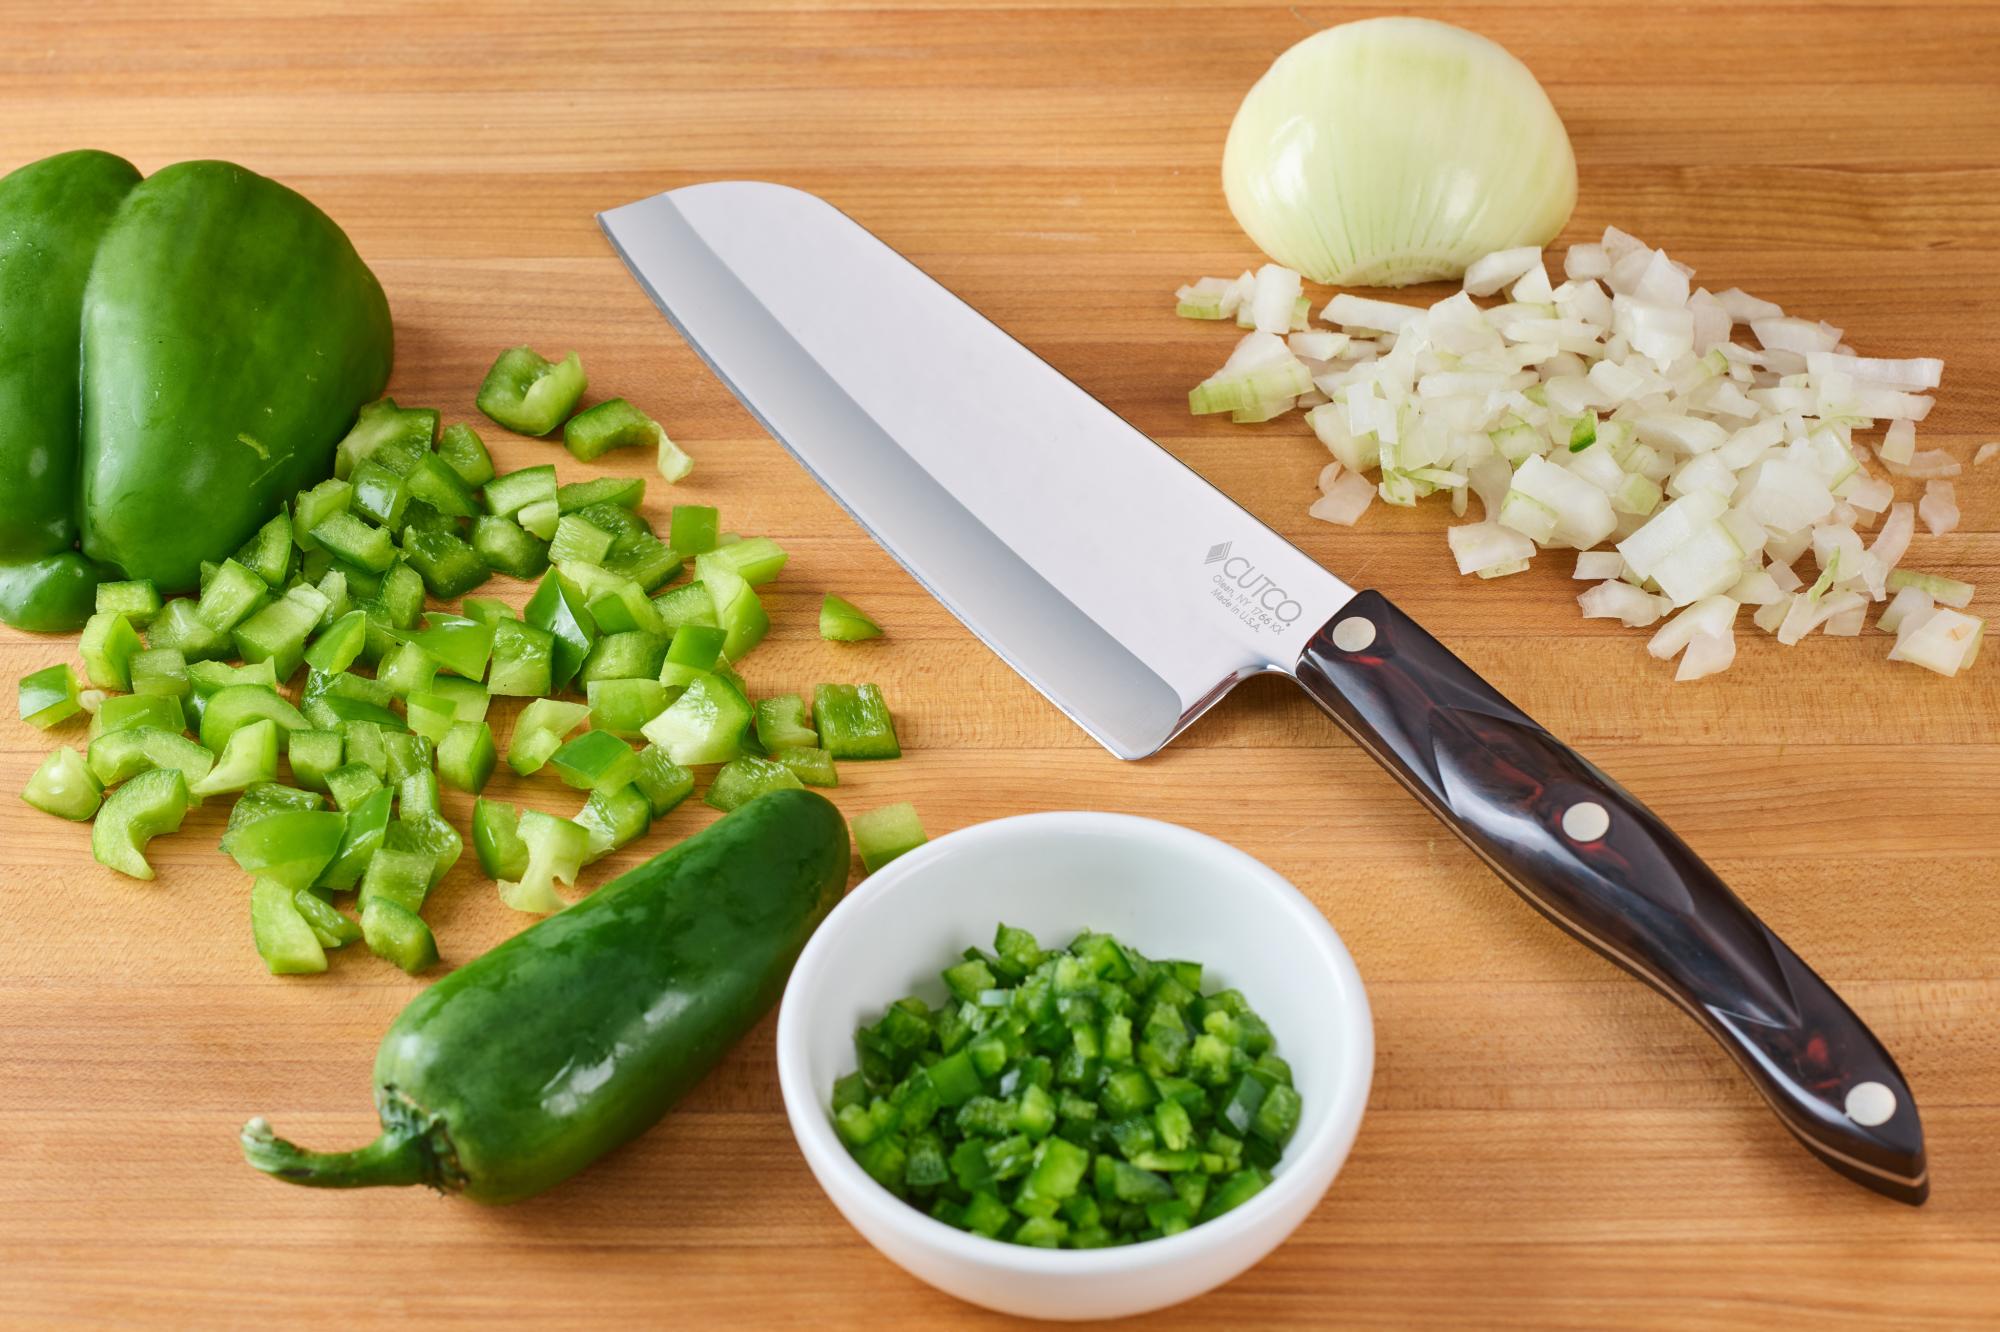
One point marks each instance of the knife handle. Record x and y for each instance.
(1601, 865)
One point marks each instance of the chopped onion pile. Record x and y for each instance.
(1615, 414)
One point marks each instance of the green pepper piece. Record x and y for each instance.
(672, 460)
(367, 828)
(623, 707)
(136, 599)
(313, 755)
(687, 604)
(756, 560)
(278, 632)
(125, 711)
(466, 756)
(118, 755)
(406, 671)
(841, 621)
(329, 926)
(704, 725)
(383, 426)
(781, 723)
(559, 609)
(556, 849)
(627, 492)
(504, 546)
(663, 782)
(108, 645)
(261, 800)
(398, 935)
(523, 661)
(339, 644)
(63, 786)
(230, 597)
(284, 938)
(291, 847)
(160, 671)
(644, 559)
(238, 705)
(496, 839)
(268, 552)
(450, 568)
(631, 655)
(487, 610)
(359, 543)
(432, 481)
(380, 495)
(462, 450)
(612, 424)
(881, 835)
(692, 528)
(178, 626)
(49, 696)
(459, 644)
(595, 760)
(580, 540)
(854, 722)
(539, 732)
(695, 650)
(507, 495)
(149, 805)
(528, 394)
(311, 507)
(617, 604)
(737, 610)
(814, 767)
(746, 777)
(351, 782)
(613, 817)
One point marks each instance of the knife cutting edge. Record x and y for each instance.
(1134, 596)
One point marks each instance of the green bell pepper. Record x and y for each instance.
(187, 346)
(528, 394)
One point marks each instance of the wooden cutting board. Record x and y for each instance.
(1548, 1144)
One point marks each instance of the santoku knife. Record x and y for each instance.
(1134, 595)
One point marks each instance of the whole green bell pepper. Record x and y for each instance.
(177, 356)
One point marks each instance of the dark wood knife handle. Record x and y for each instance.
(1600, 864)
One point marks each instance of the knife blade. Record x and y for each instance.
(1134, 596)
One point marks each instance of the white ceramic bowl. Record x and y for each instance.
(1171, 893)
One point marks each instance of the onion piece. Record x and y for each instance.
(1939, 507)
(1986, 453)
(1907, 601)
(1614, 600)
(1708, 653)
(1345, 500)
(1941, 640)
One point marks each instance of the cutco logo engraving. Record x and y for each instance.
(1248, 593)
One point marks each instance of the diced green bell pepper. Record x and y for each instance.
(359, 543)
(746, 777)
(704, 725)
(179, 626)
(841, 621)
(612, 424)
(611, 818)
(781, 724)
(107, 647)
(556, 849)
(49, 696)
(459, 644)
(240, 704)
(559, 609)
(339, 645)
(695, 650)
(596, 760)
(623, 707)
(631, 655)
(313, 506)
(118, 755)
(505, 546)
(160, 671)
(814, 767)
(462, 450)
(367, 828)
(149, 805)
(329, 926)
(136, 599)
(662, 781)
(496, 839)
(738, 612)
(399, 936)
(523, 662)
(881, 835)
(407, 670)
(449, 567)
(63, 786)
(466, 757)
(853, 722)
(692, 528)
(350, 783)
(508, 495)
(313, 755)
(686, 604)
(291, 847)
(380, 495)
(268, 553)
(284, 938)
(278, 632)
(528, 394)
(540, 730)
(432, 481)
(383, 425)
(756, 560)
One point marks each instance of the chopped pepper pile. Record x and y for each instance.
(1075, 1098)
(337, 582)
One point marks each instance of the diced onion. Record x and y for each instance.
(1613, 415)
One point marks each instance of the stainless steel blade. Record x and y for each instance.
(1128, 590)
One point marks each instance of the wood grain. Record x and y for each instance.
(1548, 1145)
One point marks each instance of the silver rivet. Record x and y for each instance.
(1870, 1103)
(1586, 821)
(1354, 633)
